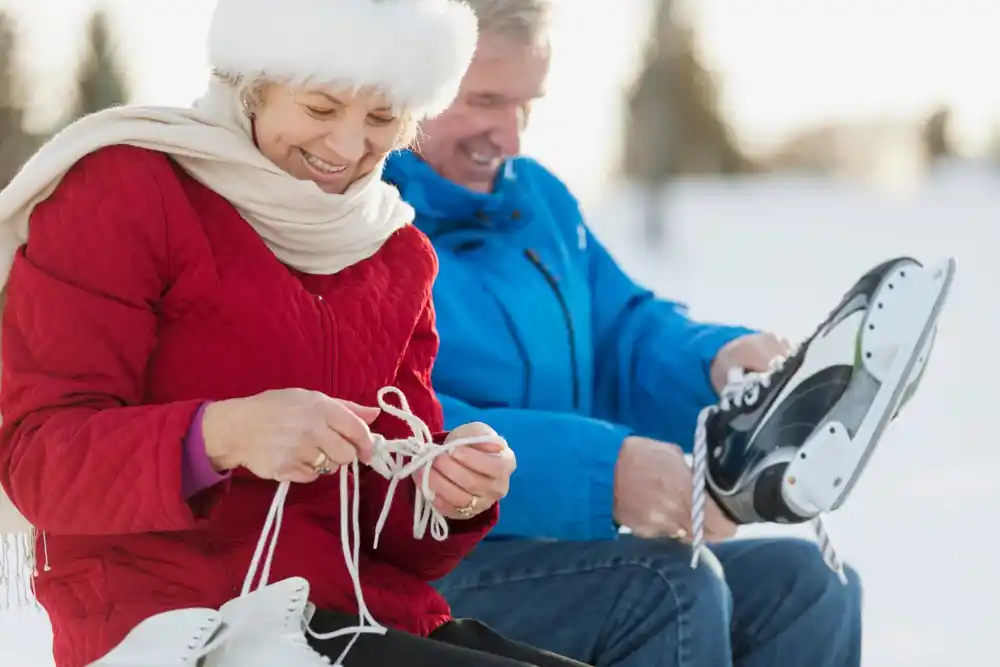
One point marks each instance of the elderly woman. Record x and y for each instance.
(199, 305)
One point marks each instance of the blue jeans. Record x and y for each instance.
(637, 603)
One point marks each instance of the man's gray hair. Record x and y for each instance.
(526, 20)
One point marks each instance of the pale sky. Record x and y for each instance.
(783, 64)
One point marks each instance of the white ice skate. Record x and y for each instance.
(789, 445)
(268, 629)
(179, 638)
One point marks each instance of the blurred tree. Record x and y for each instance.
(937, 143)
(101, 82)
(674, 126)
(15, 144)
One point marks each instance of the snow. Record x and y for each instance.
(777, 253)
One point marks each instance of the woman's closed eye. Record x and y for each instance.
(381, 119)
(321, 112)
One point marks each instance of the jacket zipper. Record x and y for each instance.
(536, 261)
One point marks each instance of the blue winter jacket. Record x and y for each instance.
(544, 338)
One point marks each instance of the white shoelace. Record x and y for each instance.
(742, 388)
(389, 461)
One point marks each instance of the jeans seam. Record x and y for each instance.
(683, 633)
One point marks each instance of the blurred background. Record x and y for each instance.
(751, 157)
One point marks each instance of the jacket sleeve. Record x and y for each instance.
(652, 361)
(426, 558)
(79, 454)
(563, 487)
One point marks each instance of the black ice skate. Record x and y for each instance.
(789, 445)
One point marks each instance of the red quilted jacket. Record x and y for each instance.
(139, 295)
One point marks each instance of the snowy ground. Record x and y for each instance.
(777, 253)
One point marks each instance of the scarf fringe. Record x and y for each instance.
(18, 569)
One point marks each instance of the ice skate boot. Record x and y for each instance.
(172, 639)
(267, 628)
(788, 445)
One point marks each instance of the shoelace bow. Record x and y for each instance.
(742, 388)
(389, 460)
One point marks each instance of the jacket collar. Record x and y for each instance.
(443, 206)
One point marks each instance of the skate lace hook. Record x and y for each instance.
(389, 460)
(742, 388)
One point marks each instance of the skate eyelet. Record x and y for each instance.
(833, 430)
(802, 455)
(879, 305)
(868, 355)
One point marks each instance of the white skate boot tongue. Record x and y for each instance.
(172, 639)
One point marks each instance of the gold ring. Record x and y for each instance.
(469, 510)
(322, 464)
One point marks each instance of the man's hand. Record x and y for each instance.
(653, 486)
(753, 352)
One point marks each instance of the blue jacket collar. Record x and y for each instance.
(442, 205)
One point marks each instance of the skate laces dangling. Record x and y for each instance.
(742, 388)
(389, 460)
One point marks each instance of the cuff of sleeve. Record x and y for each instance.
(199, 473)
(602, 481)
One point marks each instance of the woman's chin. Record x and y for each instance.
(331, 188)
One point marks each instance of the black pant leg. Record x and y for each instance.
(400, 648)
(475, 635)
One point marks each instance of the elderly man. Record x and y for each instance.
(596, 383)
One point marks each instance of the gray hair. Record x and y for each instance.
(524, 20)
(250, 90)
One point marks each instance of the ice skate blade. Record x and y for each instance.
(827, 467)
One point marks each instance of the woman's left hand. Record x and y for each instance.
(471, 479)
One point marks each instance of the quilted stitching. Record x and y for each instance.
(139, 295)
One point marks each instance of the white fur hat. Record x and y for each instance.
(414, 51)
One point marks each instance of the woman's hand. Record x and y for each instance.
(288, 435)
(472, 478)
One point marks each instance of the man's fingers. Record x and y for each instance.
(777, 347)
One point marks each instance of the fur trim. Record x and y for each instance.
(414, 51)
